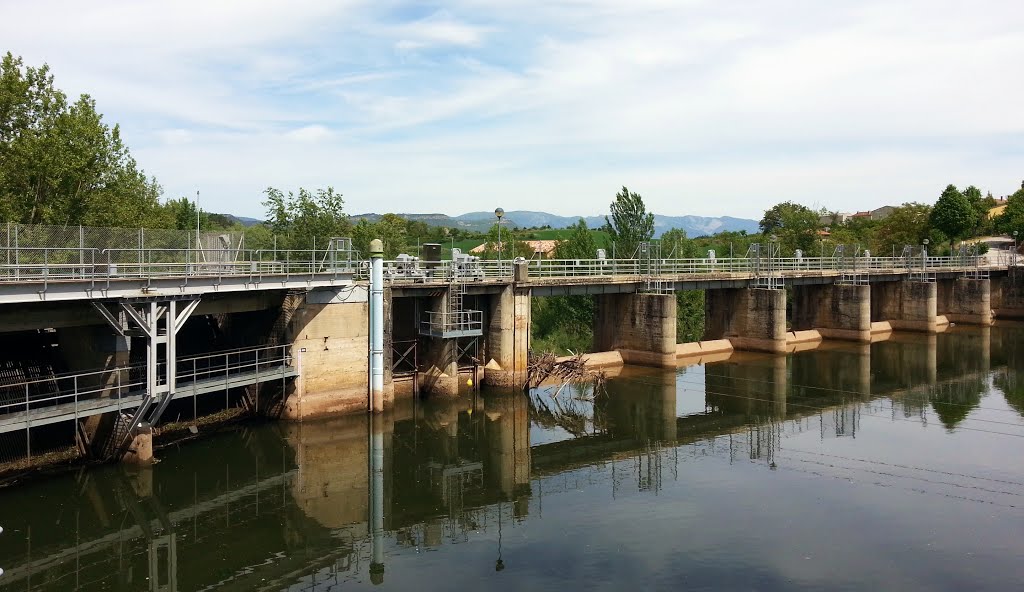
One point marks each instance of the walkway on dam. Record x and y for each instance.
(68, 274)
(54, 399)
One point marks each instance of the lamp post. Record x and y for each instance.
(924, 254)
(1013, 260)
(197, 219)
(499, 213)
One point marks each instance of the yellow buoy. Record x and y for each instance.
(469, 382)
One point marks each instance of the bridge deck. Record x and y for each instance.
(39, 416)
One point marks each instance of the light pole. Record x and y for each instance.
(197, 219)
(499, 213)
(924, 254)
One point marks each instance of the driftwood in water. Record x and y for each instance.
(572, 370)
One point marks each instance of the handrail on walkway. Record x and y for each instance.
(120, 381)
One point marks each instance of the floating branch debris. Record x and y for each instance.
(573, 370)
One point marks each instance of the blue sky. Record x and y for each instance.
(703, 107)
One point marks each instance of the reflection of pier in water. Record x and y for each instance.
(298, 505)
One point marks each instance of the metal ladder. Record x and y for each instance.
(761, 263)
(650, 266)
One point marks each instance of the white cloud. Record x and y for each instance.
(703, 107)
(309, 133)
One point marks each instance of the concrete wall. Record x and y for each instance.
(329, 334)
(906, 305)
(964, 300)
(507, 332)
(641, 327)
(1007, 294)
(836, 311)
(750, 318)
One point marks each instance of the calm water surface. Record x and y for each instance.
(894, 466)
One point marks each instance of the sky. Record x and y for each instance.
(703, 107)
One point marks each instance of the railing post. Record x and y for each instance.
(28, 427)
(226, 362)
(256, 387)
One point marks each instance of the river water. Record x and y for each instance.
(894, 466)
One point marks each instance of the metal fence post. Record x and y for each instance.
(28, 427)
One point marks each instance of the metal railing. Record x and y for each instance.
(634, 268)
(106, 265)
(115, 386)
(100, 267)
(447, 324)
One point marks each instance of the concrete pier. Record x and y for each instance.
(507, 334)
(751, 319)
(1007, 294)
(641, 327)
(906, 305)
(965, 300)
(329, 334)
(836, 311)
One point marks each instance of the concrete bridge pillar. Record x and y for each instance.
(965, 300)
(1007, 294)
(750, 318)
(329, 335)
(507, 335)
(906, 305)
(641, 327)
(836, 311)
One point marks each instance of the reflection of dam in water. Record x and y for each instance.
(301, 505)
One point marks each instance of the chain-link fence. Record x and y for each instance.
(28, 244)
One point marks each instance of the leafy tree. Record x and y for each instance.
(59, 163)
(980, 205)
(908, 224)
(675, 243)
(953, 214)
(795, 225)
(1012, 217)
(579, 245)
(182, 215)
(306, 219)
(563, 323)
(630, 223)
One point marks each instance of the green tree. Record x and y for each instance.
(1012, 217)
(908, 224)
(59, 162)
(980, 205)
(952, 214)
(579, 245)
(565, 323)
(796, 227)
(630, 223)
(306, 219)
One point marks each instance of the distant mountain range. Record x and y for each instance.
(481, 221)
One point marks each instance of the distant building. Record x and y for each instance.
(882, 213)
(833, 218)
(541, 248)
